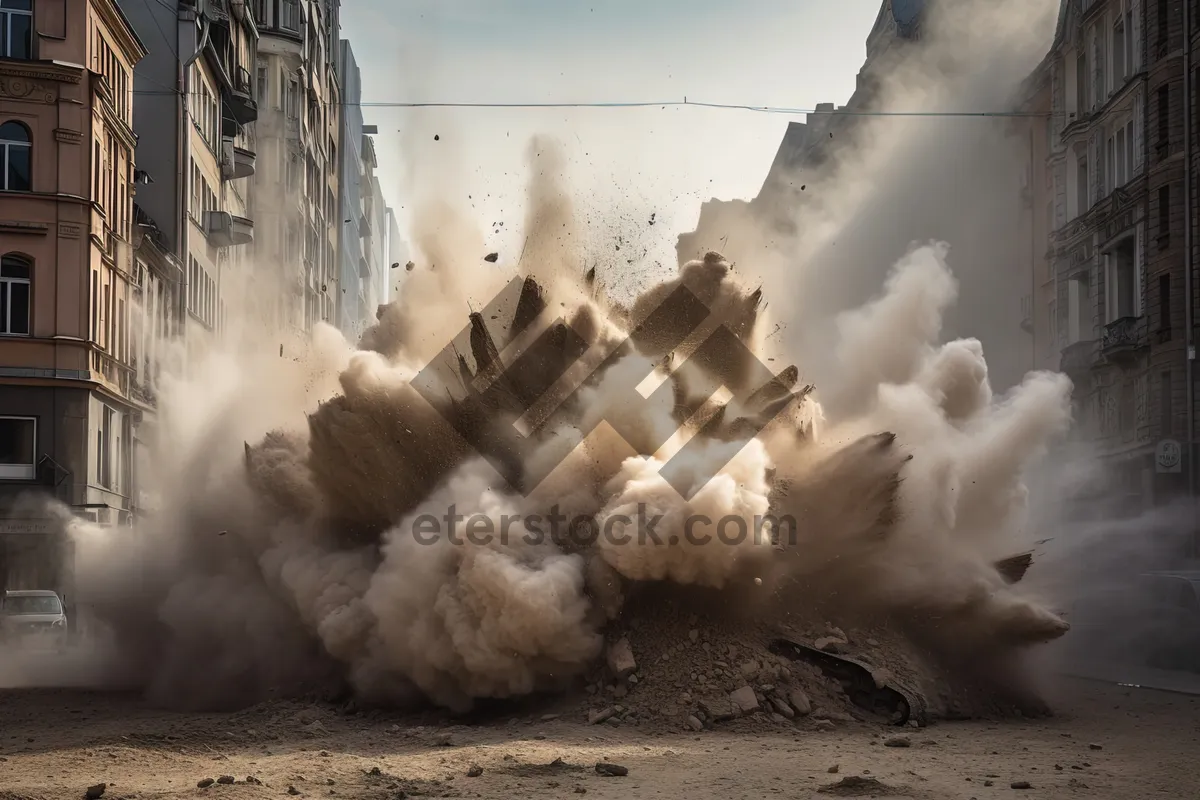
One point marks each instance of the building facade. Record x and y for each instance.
(362, 252)
(66, 270)
(295, 196)
(195, 113)
(1121, 220)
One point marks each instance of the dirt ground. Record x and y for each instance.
(1105, 742)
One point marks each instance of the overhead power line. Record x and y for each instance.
(675, 103)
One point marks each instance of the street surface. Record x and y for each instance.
(1106, 742)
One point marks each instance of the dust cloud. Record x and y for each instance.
(305, 537)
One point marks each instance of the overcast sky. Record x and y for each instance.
(623, 162)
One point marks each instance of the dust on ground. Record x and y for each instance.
(1105, 742)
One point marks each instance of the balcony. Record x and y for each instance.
(1077, 359)
(226, 230)
(236, 162)
(241, 99)
(1122, 339)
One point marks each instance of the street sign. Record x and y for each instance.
(1168, 456)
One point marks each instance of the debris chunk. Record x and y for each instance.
(475, 771)
(745, 700)
(596, 717)
(95, 792)
(225, 780)
(204, 783)
(897, 741)
(1020, 785)
(694, 723)
(492, 258)
(620, 658)
(799, 701)
(611, 770)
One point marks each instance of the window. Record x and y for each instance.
(263, 87)
(1079, 311)
(1165, 411)
(1164, 212)
(1164, 305)
(1052, 322)
(18, 443)
(14, 296)
(16, 147)
(289, 15)
(1120, 154)
(1163, 24)
(1164, 119)
(16, 29)
(1121, 266)
(1083, 199)
(103, 450)
(1081, 83)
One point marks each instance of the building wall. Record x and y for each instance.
(348, 298)
(1121, 335)
(69, 367)
(296, 195)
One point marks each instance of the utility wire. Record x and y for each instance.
(675, 103)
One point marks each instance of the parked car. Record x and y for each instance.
(1172, 619)
(33, 616)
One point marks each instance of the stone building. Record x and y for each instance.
(66, 218)
(1111, 299)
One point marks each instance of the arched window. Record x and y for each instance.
(16, 29)
(15, 272)
(16, 156)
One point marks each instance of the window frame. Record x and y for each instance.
(6, 20)
(6, 145)
(21, 472)
(6, 293)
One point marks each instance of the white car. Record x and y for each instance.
(33, 615)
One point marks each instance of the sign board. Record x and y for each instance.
(41, 526)
(1168, 456)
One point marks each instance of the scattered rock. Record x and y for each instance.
(694, 723)
(718, 709)
(596, 717)
(858, 786)
(1075, 783)
(611, 770)
(620, 658)
(828, 644)
(897, 741)
(580, 790)
(492, 258)
(225, 780)
(95, 792)
(204, 783)
(1095, 746)
(834, 769)
(253, 781)
(292, 790)
(823, 725)
(475, 771)
(442, 740)
(1020, 785)
(744, 699)
(749, 669)
(799, 701)
(989, 783)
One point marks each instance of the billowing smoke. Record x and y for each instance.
(349, 518)
(415, 522)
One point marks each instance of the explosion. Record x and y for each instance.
(392, 525)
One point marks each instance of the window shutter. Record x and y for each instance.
(1099, 91)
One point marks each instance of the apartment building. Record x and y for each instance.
(1110, 294)
(194, 115)
(66, 205)
(295, 194)
(363, 213)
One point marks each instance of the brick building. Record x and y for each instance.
(66, 216)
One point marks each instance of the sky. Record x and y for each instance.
(625, 164)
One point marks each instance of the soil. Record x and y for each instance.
(1105, 741)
